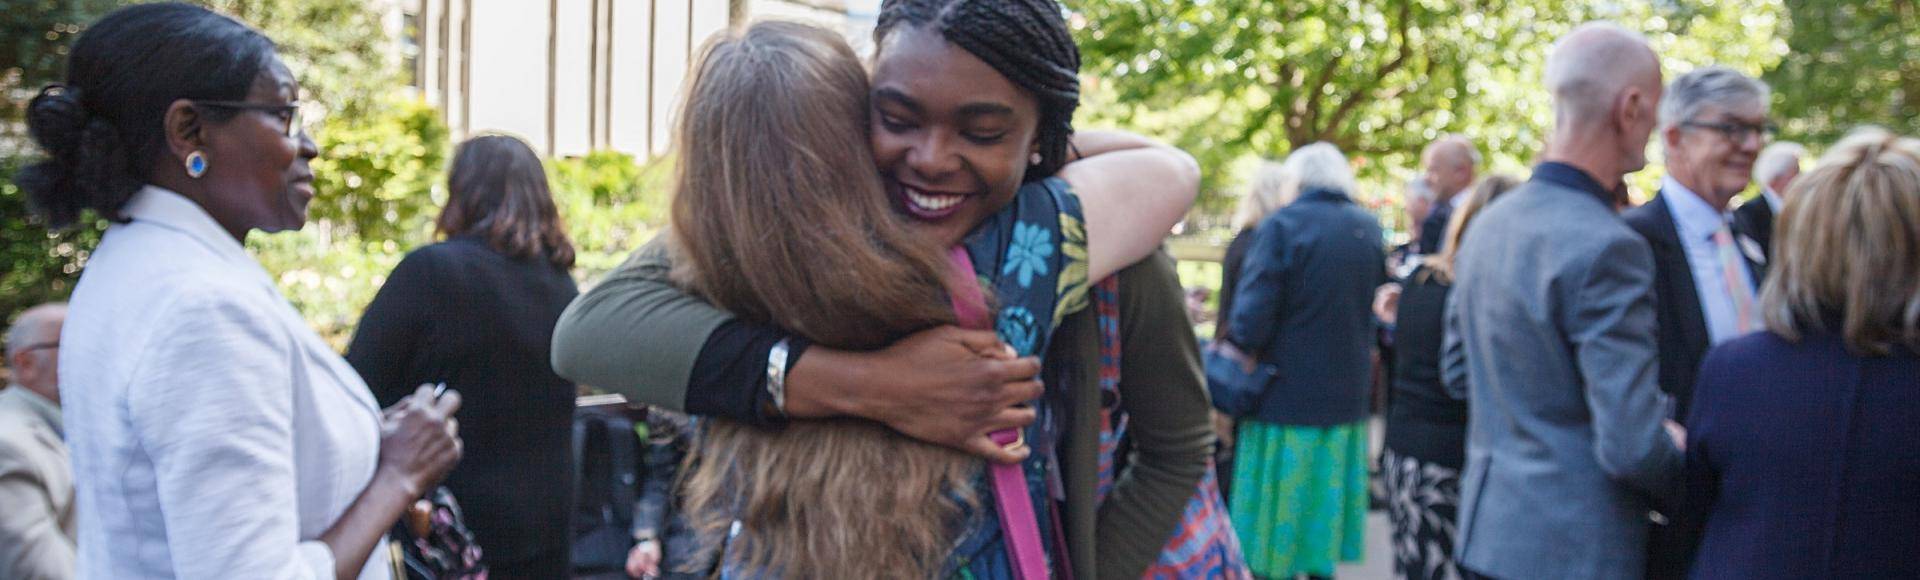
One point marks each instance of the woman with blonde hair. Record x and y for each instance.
(1426, 428)
(1803, 444)
(1270, 191)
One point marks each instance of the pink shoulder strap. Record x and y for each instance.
(1017, 520)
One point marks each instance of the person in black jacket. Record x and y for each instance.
(1447, 165)
(1426, 427)
(1774, 170)
(1713, 122)
(477, 312)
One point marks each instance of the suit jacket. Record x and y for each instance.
(36, 487)
(1754, 219)
(1305, 304)
(1551, 329)
(1683, 326)
(1803, 460)
(1434, 227)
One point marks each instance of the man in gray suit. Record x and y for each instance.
(1551, 330)
(36, 482)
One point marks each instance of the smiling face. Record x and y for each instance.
(951, 136)
(257, 176)
(1706, 160)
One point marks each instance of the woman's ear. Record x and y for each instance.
(183, 125)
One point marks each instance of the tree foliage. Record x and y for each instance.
(1378, 78)
(1852, 62)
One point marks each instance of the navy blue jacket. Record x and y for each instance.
(1304, 303)
(1803, 461)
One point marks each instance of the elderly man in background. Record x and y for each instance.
(1448, 165)
(1550, 327)
(1774, 170)
(36, 484)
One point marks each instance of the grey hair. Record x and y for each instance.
(1711, 85)
(1318, 166)
(1589, 68)
(1775, 159)
(1267, 193)
(32, 323)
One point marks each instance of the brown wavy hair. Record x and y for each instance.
(497, 189)
(779, 217)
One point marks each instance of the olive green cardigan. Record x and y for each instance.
(638, 335)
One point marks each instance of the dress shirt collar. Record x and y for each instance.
(38, 405)
(1773, 199)
(1691, 214)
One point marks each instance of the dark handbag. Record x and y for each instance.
(431, 542)
(1235, 391)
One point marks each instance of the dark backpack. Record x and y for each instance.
(606, 460)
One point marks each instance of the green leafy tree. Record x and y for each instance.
(1228, 79)
(35, 266)
(1852, 63)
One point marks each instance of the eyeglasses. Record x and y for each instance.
(38, 346)
(1737, 132)
(288, 113)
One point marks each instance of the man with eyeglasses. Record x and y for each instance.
(36, 483)
(1713, 124)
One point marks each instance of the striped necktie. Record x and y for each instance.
(1735, 280)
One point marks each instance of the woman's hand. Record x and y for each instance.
(644, 560)
(945, 385)
(420, 439)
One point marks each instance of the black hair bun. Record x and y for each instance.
(58, 121)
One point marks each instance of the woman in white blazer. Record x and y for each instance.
(213, 434)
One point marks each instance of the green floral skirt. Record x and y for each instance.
(1300, 496)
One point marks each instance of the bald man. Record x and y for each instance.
(1447, 166)
(36, 483)
(1550, 338)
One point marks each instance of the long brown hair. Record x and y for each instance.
(780, 217)
(1847, 247)
(498, 190)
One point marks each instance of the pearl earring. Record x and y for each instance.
(1035, 158)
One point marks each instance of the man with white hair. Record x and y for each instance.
(1448, 166)
(36, 483)
(1550, 337)
(1776, 168)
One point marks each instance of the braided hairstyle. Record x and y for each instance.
(1024, 40)
(104, 128)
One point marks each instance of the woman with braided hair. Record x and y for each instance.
(971, 104)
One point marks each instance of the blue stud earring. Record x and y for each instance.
(196, 164)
